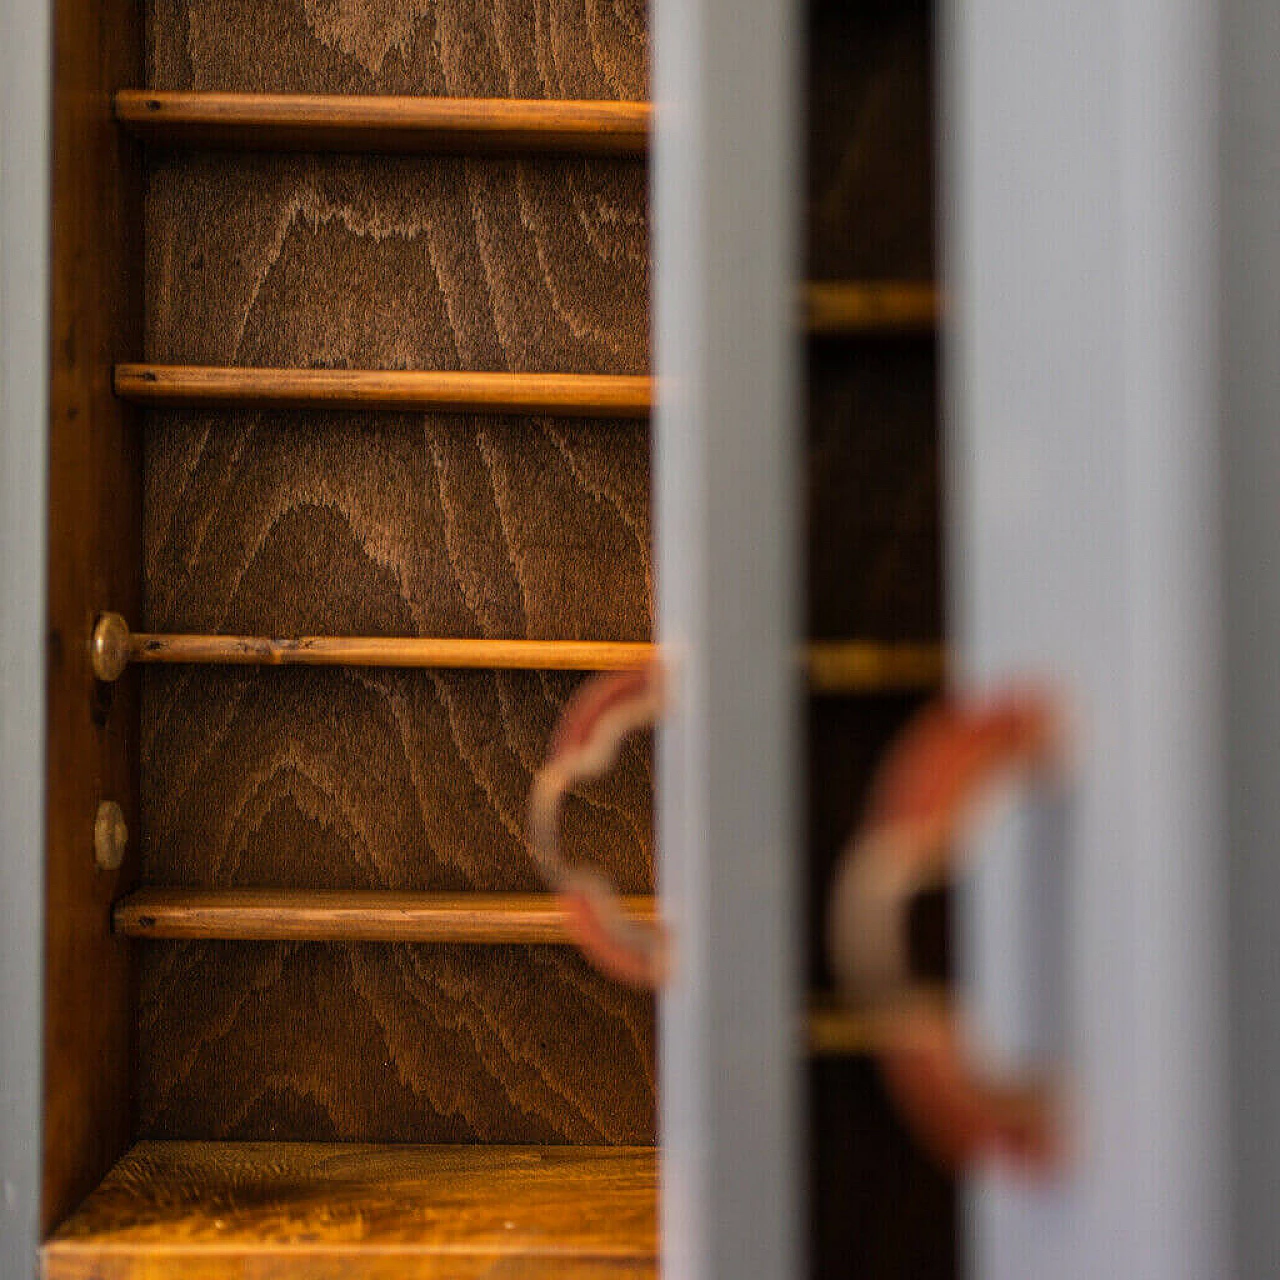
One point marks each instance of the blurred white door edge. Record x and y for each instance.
(25, 102)
(726, 185)
(1079, 151)
(1250, 246)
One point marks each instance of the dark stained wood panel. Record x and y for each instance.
(537, 265)
(873, 503)
(878, 1207)
(277, 1211)
(93, 564)
(465, 48)
(870, 140)
(389, 1043)
(369, 780)
(300, 524)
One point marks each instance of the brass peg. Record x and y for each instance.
(110, 835)
(109, 648)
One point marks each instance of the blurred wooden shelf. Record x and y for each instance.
(383, 915)
(404, 390)
(832, 667)
(845, 667)
(854, 308)
(351, 915)
(285, 1211)
(363, 123)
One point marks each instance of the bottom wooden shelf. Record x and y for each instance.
(253, 1210)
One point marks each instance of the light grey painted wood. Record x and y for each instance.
(725, 185)
(1251, 458)
(1081, 175)
(24, 288)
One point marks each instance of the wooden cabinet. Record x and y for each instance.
(403, 365)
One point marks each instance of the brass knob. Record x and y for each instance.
(110, 835)
(109, 648)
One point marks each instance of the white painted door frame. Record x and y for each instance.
(1079, 157)
(725, 182)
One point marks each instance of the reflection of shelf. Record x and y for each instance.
(340, 122)
(233, 1210)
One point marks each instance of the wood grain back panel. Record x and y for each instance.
(369, 780)
(451, 525)
(389, 1043)
(398, 262)
(463, 48)
(288, 523)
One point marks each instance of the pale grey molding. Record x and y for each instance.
(25, 95)
(1081, 177)
(1251, 482)
(727, 433)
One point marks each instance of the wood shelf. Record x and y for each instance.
(851, 308)
(391, 651)
(351, 915)
(430, 391)
(284, 1211)
(833, 667)
(833, 1032)
(383, 915)
(341, 122)
(850, 667)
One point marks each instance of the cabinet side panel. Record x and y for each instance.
(94, 564)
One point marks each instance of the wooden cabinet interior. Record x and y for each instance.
(877, 1207)
(372, 366)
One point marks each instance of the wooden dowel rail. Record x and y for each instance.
(836, 1031)
(403, 390)
(369, 123)
(852, 308)
(351, 915)
(833, 668)
(845, 666)
(393, 916)
(114, 647)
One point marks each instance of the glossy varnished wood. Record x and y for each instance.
(280, 1211)
(367, 123)
(93, 556)
(560, 394)
(337, 915)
